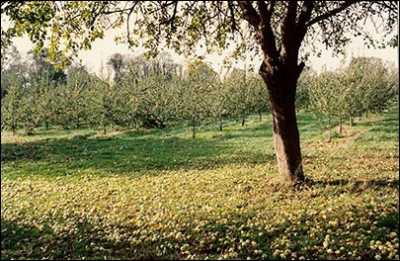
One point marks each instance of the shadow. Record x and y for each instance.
(355, 184)
(261, 130)
(344, 186)
(82, 238)
(127, 153)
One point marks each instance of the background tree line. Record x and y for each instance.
(151, 93)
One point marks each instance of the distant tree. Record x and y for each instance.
(302, 94)
(118, 63)
(258, 103)
(239, 98)
(196, 94)
(73, 99)
(13, 66)
(42, 67)
(11, 104)
(324, 99)
(43, 90)
(220, 101)
(371, 78)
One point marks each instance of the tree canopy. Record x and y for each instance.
(70, 26)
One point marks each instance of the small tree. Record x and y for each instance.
(324, 99)
(240, 95)
(11, 105)
(371, 78)
(258, 97)
(196, 94)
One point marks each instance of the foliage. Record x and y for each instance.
(324, 98)
(11, 104)
(373, 83)
(184, 25)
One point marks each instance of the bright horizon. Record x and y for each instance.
(102, 49)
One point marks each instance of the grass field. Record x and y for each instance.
(158, 194)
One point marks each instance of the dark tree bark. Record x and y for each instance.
(330, 129)
(220, 122)
(193, 129)
(14, 128)
(286, 136)
(243, 121)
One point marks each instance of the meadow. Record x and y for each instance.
(159, 194)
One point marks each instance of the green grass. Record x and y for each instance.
(158, 194)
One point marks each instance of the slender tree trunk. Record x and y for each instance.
(104, 129)
(193, 129)
(330, 129)
(351, 121)
(260, 114)
(243, 121)
(282, 90)
(220, 122)
(46, 122)
(340, 125)
(14, 128)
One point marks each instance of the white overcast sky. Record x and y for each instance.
(102, 49)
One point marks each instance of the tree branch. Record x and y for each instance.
(332, 12)
(128, 34)
(233, 20)
(171, 20)
(304, 17)
(250, 14)
(289, 32)
(267, 37)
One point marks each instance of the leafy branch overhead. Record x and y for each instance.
(70, 26)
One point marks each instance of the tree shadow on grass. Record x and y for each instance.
(126, 153)
(92, 240)
(86, 240)
(355, 184)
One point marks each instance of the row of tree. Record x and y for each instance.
(158, 93)
(148, 93)
(366, 85)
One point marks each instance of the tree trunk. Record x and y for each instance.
(340, 125)
(220, 123)
(193, 129)
(287, 142)
(351, 121)
(243, 121)
(282, 90)
(260, 114)
(46, 122)
(330, 129)
(14, 128)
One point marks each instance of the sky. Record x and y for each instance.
(102, 49)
